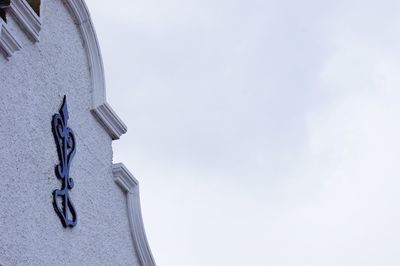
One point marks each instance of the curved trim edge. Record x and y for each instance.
(100, 108)
(129, 184)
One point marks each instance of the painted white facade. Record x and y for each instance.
(42, 59)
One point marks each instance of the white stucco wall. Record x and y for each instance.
(32, 84)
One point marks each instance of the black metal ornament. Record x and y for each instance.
(65, 142)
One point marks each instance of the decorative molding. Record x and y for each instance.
(8, 44)
(100, 108)
(82, 19)
(27, 18)
(125, 180)
(110, 120)
(130, 186)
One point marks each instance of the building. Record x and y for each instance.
(62, 200)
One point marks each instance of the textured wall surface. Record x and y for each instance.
(32, 84)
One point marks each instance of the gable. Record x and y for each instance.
(49, 49)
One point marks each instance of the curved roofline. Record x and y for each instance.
(111, 122)
(100, 109)
(129, 184)
(82, 18)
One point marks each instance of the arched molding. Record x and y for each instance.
(128, 183)
(26, 13)
(83, 20)
(100, 109)
(114, 127)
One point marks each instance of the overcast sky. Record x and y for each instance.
(262, 132)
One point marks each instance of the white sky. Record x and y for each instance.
(262, 132)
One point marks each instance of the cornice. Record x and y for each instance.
(129, 184)
(8, 44)
(27, 18)
(110, 120)
(126, 181)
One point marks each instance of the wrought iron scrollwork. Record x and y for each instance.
(66, 147)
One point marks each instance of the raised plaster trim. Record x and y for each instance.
(129, 184)
(8, 44)
(114, 126)
(100, 108)
(83, 20)
(27, 18)
(110, 120)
